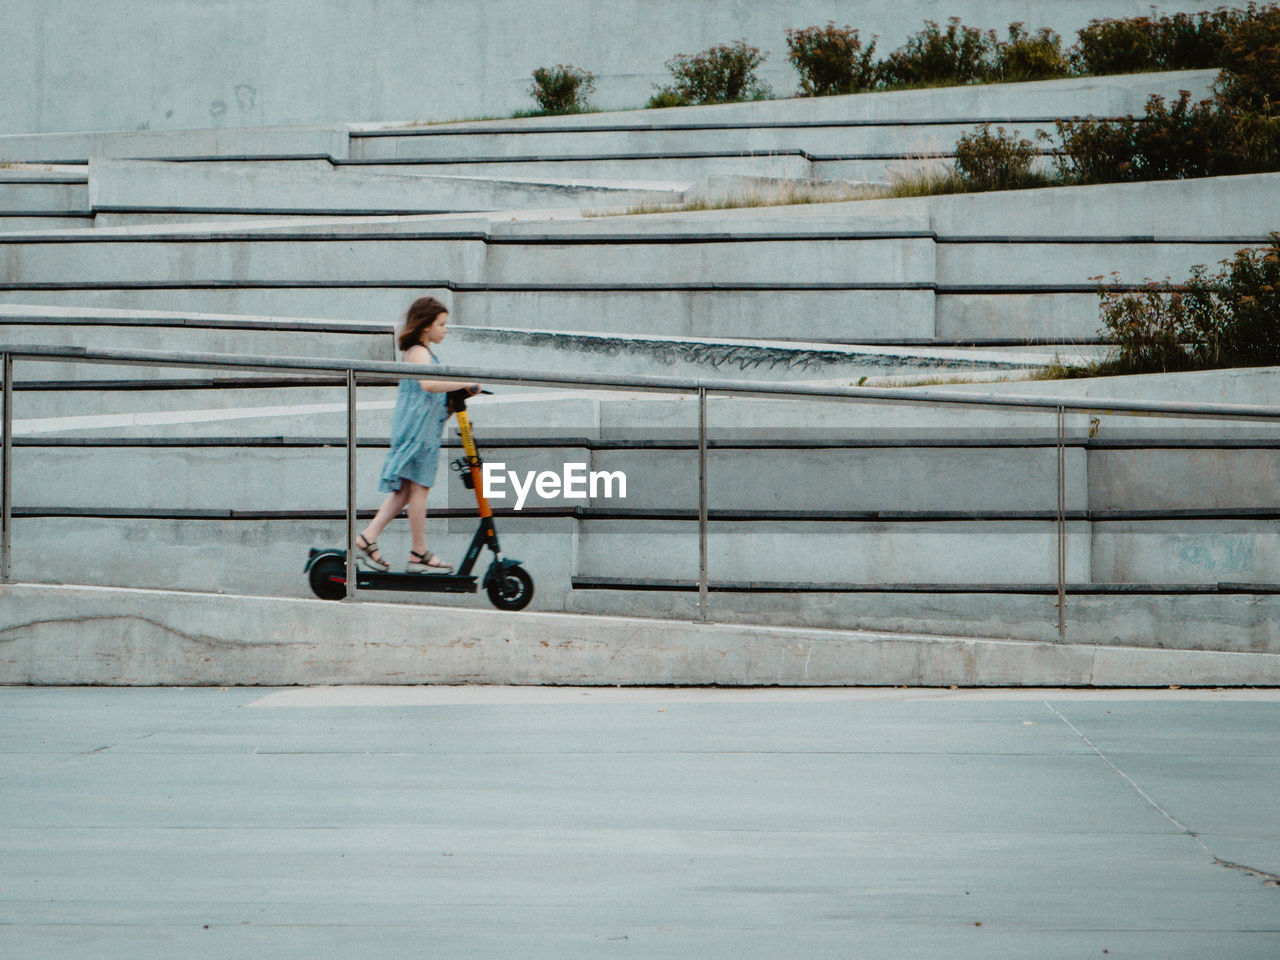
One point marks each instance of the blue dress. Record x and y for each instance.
(416, 427)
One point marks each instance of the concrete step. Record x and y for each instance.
(24, 325)
(715, 274)
(1160, 620)
(820, 125)
(174, 637)
(605, 138)
(52, 194)
(319, 188)
(254, 552)
(44, 221)
(298, 141)
(689, 168)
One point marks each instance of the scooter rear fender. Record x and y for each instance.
(314, 556)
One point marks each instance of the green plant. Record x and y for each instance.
(1026, 56)
(831, 60)
(1187, 41)
(1242, 326)
(1172, 141)
(1149, 328)
(1115, 46)
(1177, 140)
(1250, 77)
(1095, 151)
(956, 54)
(562, 89)
(1184, 41)
(1227, 319)
(994, 161)
(721, 74)
(666, 98)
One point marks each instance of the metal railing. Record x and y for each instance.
(389, 371)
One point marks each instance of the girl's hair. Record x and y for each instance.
(421, 314)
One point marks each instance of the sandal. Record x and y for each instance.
(371, 555)
(427, 562)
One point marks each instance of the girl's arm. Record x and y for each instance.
(420, 354)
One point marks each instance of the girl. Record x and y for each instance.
(416, 425)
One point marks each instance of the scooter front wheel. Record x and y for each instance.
(328, 578)
(512, 589)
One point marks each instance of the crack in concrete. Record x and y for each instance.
(1268, 879)
(7, 634)
(1271, 880)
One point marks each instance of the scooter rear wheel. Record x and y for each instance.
(512, 590)
(328, 578)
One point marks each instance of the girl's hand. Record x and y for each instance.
(473, 388)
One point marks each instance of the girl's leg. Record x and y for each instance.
(389, 510)
(417, 510)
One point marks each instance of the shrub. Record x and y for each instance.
(1247, 328)
(722, 74)
(562, 89)
(1228, 319)
(1028, 56)
(666, 97)
(1250, 78)
(958, 54)
(831, 60)
(996, 161)
(1096, 151)
(1173, 141)
(1148, 327)
(1183, 41)
(1180, 140)
(1188, 41)
(1254, 146)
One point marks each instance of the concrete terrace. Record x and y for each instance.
(931, 524)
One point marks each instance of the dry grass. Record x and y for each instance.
(781, 194)
(927, 177)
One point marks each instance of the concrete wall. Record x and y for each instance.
(187, 63)
(167, 637)
(1151, 229)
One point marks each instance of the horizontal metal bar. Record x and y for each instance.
(927, 396)
(240, 235)
(598, 514)
(48, 214)
(39, 181)
(524, 442)
(940, 289)
(8, 318)
(287, 211)
(195, 383)
(1037, 589)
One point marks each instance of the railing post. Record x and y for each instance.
(702, 503)
(6, 469)
(351, 484)
(1062, 524)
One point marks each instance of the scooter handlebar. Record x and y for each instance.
(457, 399)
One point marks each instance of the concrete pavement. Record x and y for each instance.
(567, 822)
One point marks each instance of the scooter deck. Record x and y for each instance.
(416, 582)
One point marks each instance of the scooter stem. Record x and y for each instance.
(473, 462)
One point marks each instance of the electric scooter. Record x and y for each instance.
(508, 583)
